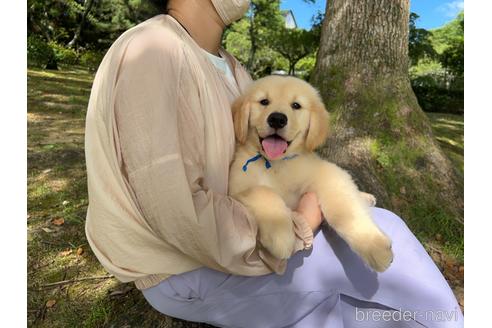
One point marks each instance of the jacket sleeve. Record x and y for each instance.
(161, 145)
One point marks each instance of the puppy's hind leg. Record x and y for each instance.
(347, 212)
(276, 229)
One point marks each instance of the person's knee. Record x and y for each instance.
(386, 218)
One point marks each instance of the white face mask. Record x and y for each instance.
(231, 10)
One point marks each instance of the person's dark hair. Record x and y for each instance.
(160, 4)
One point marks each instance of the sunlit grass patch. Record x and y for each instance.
(449, 131)
(424, 215)
(57, 192)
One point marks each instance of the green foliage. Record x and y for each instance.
(54, 20)
(91, 59)
(433, 98)
(444, 36)
(453, 58)
(305, 66)
(262, 43)
(250, 38)
(63, 54)
(294, 44)
(58, 21)
(427, 67)
(39, 53)
(449, 42)
(259, 40)
(431, 84)
(108, 19)
(419, 43)
(237, 41)
(437, 80)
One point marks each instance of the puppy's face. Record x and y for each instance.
(280, 116)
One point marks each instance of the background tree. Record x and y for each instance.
(437, 79)
(451, 41)
(263, 44)
(250, 38)
(294, 45)
(380, 134)
(264, 17)
(85, 23)
(110, 18)
(88, 4)
(52, 19)
(79, 31)
(419, 43)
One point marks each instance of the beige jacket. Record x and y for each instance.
(159, 141)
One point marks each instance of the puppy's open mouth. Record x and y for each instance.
(274, 146)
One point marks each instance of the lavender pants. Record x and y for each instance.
(328, 286)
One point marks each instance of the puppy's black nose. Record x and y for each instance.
(277, 120)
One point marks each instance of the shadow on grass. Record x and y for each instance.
(449, 131)
(57, 188)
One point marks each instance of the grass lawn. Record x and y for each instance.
(449, 131)
(57, 201)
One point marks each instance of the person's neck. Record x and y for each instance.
(201, 21)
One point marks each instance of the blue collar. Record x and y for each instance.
(267, 162)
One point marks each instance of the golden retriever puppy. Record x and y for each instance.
(278, 122)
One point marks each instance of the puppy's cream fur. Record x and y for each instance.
(271, 194)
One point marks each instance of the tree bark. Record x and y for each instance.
(87, 8)
(379, 133)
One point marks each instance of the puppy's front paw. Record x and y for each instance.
(376, 251)
(278, 238)
(369, 199)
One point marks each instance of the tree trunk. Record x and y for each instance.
(87, 8)
(292, 66)
(379, 133)
(252, 36)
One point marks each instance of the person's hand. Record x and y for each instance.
(309, 209)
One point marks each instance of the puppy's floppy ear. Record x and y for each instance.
(318, 126)
(240, 115)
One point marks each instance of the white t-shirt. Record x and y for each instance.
(221, 64)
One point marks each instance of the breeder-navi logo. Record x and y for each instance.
(404, 315)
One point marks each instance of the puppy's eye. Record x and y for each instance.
(265, 102)
(295, 105)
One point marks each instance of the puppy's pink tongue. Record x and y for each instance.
(274, 146)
